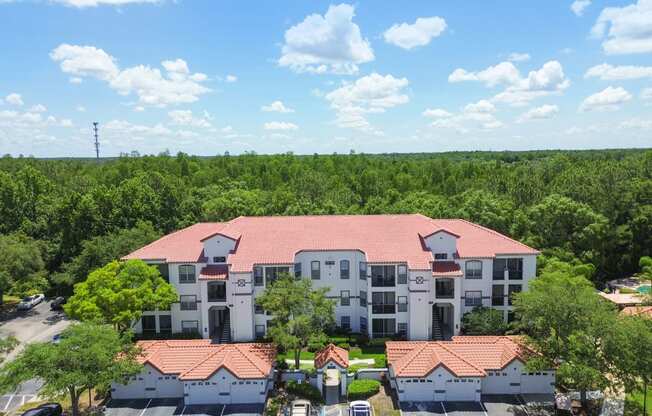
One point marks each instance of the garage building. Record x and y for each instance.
(463, 369)
(201, 372)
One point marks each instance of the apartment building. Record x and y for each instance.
(389, 274)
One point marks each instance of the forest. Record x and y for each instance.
(62, 218)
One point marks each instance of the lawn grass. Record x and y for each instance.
(289, 355)
(634, 403)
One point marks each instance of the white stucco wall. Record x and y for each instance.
(149, 384)
(224, 388)
(439, 385)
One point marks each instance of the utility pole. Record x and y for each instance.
(97, 142)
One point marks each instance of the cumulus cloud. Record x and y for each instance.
(14, 99)
(646, 94)
(419, 33)
(609, 99)
(504, 73)
(373, 93)
(277, 107)
(579, 6)
(636, 123)
(436, 113)
(608, 72)
(186, 118)
(331, 43)
(476, 116)
(482, 106)
(546, 111)
(280, 125)
(81, 108)
(518, 57)
(38, 108)
(176, 86)
(625, 30)
(231, 78)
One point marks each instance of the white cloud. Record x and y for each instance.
(38, 108)
(546, 111)
(625, 30)
(94, 3)
(373, 93)
(231, 78)
(420, 33)
(326, 44)
(482, 106)
(608, 99)
(14, 99)
(177, 86)
(436, 113)
(139, 108)
(81, 108)
(186, 118)
(75, 80)
(277, 107)
(518, 57)
(637, 123)
(66, 122)
(608, 72)
(504, 73)
(646, 94)
(280, 125)
(579, 6)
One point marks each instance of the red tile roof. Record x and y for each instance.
(464, 356)
(383, 238)
(214, 272)
(199, 359)
(446, 269)
(645, 311)
(333, 353)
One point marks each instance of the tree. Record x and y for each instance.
(484, 321)
(119, 292)
(566, 321)
(300, 313)
(22, 269)
(87, 356)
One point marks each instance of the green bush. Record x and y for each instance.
(305, 391)
(362, 389)
(362, 340)
(627, 290)
(380, 362)
(344, 345)
(281, 364)
(273, 406)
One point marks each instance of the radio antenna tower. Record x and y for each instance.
(97, 142)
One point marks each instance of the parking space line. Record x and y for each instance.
(484, 409)
(146, 406)
(223, 407)
(443, 408)
(8, 402)
(183, 410)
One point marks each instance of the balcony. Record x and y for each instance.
(444, 289)
(216, 292)
(380, 308)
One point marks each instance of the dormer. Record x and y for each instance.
(217, 248)
(443, 244)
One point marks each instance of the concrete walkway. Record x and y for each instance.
(353, 361)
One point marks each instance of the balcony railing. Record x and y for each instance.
(383, 308)
(383, 281)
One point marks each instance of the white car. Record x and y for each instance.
(360, 408)
(29, 302)
(300, 408)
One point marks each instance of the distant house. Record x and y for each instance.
(390, 274)
(201, 372)
(463, 369)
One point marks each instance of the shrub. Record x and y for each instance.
(362, 340)
(305, 391)
(380, 362)
(344, 345)
(362, 389)
(273, 406)
(281, 364)
(627, 290)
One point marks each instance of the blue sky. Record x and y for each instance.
(207, 77)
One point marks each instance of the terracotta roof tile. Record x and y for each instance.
(214, 272)
(645, 311)
(338, 355)
(199, 359)
(446, 269)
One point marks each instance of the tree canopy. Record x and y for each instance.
(483, 320)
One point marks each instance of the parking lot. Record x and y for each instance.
(171, 407)
(489, 406)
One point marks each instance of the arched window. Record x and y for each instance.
(473, 269)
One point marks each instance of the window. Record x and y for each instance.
(258, 276)
(444, 288)
(315, 270)
(511, 290)
(515, 269)
(344, 269)
(297, 270)
(345, 322)
(499, 269)
(402, 274)
(363, 324)
(190, 327)
(402, 331)
(260, 331)
(258, 310)
(498, 295)
(473, 298)
(188, 302)
(383, 276)
(219, 259)
(441, 256)
(148, 323)
(216, 291)
(383, 302)
(345, 298)
(383, 328)
(165, 324)
(164, 269)
(402, 304)
(473, 269)
(363, 270)
(273, 273)
(363, 298)
(186, 273)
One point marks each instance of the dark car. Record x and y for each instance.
(57, 303)
(47, 409)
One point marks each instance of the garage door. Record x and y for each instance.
(169, 387)
(247, 392)
(460, 390)
(537, 383)
(497, 383)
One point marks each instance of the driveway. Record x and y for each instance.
(175, 407)
(491, 405)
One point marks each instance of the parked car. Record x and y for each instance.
(29, 302)
(47, 409)
(360, 408)
(300, 408)
(57, 303)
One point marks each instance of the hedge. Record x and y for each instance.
(305, 391)
(362, 389)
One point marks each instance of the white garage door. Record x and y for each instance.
(460, 390)
(538, 383)
(134, 390)
(500, 383)
(200, 392)
(247, 392)
(169, 387)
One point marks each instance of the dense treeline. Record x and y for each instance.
(60, 219)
